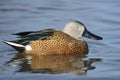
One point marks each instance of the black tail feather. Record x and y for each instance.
(16, 46)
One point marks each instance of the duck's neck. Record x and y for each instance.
(71, 33)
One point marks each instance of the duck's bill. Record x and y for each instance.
(91, 35)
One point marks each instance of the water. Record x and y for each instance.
(99, 16)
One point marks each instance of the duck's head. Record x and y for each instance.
(77, 29)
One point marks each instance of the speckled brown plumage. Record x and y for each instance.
(58, 43)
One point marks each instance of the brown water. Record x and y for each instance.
(100, 16)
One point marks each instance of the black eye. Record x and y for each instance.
(77, 27)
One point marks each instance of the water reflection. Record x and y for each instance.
(54, 64)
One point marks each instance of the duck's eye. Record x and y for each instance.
(77, 27)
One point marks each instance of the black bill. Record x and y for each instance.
(91, 35)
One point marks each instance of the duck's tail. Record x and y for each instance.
(18, 47)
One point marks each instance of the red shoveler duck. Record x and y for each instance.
(52, 41)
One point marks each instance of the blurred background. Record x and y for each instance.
(101, 17)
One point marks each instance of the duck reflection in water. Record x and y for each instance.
(54, 64)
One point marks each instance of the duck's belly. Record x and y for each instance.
(57, 47)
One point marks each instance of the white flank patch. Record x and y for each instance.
(14, 44)
(28, 48)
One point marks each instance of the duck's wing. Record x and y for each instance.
(26, 37)
(29, 33)
(23, 33)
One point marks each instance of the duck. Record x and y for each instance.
(53, 41)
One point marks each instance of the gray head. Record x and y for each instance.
(77, 29)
